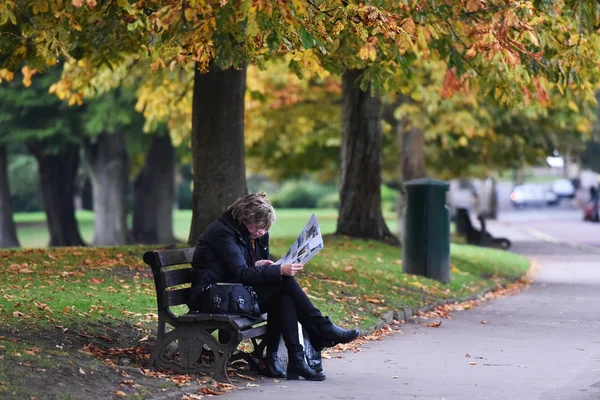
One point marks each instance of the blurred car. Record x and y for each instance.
(563, 188)
(589, 214)
(532, 194)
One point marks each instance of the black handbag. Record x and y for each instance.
(229, 298)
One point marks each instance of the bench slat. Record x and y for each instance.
(177, 276)
(243, 322)
(238, 322)
(252, 333)
(177, 297)
(176, 256)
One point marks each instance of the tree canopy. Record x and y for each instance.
(513, 44)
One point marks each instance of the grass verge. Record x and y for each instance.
(33, 233)
(78, 322)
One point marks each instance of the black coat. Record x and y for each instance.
(224, 253)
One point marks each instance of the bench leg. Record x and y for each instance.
(189, 350)
(221, 368)
(160, 335)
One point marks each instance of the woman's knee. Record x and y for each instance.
(286, 301)
(289, 284)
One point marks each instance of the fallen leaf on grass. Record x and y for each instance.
(81, 371)
(434, 325)
(372, 299)
(120, 393)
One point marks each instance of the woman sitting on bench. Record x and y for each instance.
(235, 248)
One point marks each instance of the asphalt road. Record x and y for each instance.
(542, 344)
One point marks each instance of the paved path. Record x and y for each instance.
(543, 344)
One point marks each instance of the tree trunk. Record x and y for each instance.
(154, 194)
(57, 182)
(411, 147)
(217, 144)
(109, 170)
(360, 212)
(411, 143)
(8, 230)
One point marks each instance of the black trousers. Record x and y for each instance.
(287, 304)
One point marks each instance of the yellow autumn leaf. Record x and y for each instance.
(41, 7)
(583, 125)
(5, 15)
(27, 74)
(6, 75)
(190, 14)
(472, 52)
(367, 52)
(462, 141)
(572, 106)
(408, 25)
(300, 6)
(533, 38)
(338, 28)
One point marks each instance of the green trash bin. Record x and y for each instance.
(426, 244)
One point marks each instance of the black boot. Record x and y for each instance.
(297, 368)
(272, 366)
(333, 334)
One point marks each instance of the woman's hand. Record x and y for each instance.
(263, 263)
(291, 269)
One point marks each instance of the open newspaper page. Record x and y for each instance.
(309, 243)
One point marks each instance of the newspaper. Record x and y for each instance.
(306, 246)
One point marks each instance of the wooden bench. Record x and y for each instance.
(196, 342)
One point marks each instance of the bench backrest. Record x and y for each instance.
(171, 268)
(463, 221)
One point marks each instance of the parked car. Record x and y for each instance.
(532, 194)
(563, 188)
(589, 214)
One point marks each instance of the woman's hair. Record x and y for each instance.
(253, 209)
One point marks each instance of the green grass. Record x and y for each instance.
(33, 233)
(364, 278)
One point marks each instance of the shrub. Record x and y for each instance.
(389, 198)
(331, 200)
(24, 183)
(301, 194)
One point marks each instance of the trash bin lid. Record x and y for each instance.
(427, 182)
